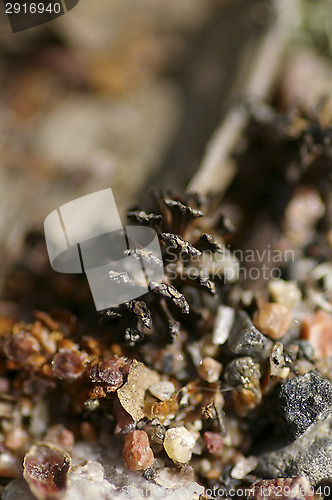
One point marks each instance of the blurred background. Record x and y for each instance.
(127, 94)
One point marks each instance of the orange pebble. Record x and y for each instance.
(317, 328)
(137, 454)
(273, 320)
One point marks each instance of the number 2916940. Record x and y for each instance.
(32, 8)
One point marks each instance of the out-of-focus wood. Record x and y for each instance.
(306, 78)
(217, 169)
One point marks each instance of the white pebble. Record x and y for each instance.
(284, 292)
(195, 426)
(209, 370)
(178, 444)
(243, 467)
(205, 466)
(223, 324)
(162, 390)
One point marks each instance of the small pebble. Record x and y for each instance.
(302, 366)
(278, 366)
(244, 467)
(305, 349)
(313, 402)
(204, 466)
(156, 432)
(210, 370)
(4, 385)
(317, 328)
(245, 399)
(68, 364)
(223, 324)
(242, 371)
(243, 374)
(162, 390)
(178, 444)
(45, 469)
(214, 443)
(10, 465)
(301, 214)
(195, 426)
(245, 339)
(273, 320)
(109, 372)
(16, 439)
(58, 434)
(20, 347)
(132, 393)
(137, 454)
(286, 293)
(323, 272)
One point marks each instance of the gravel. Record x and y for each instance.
(111, 481)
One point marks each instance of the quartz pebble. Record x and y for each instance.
(178, 444)
(204, 466)
(88, 482)
(162, 390)
(176, 487)
(313, 402)
(317, 328)
(273, 320)
(137, 454)
(278, 366)
(223, 324)
(46, 471)
(210, 370)
(244, 467)
(286, 293)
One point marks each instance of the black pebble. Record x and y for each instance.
(305, 401)
(306, 349)
(245, 339)
(309, 455)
